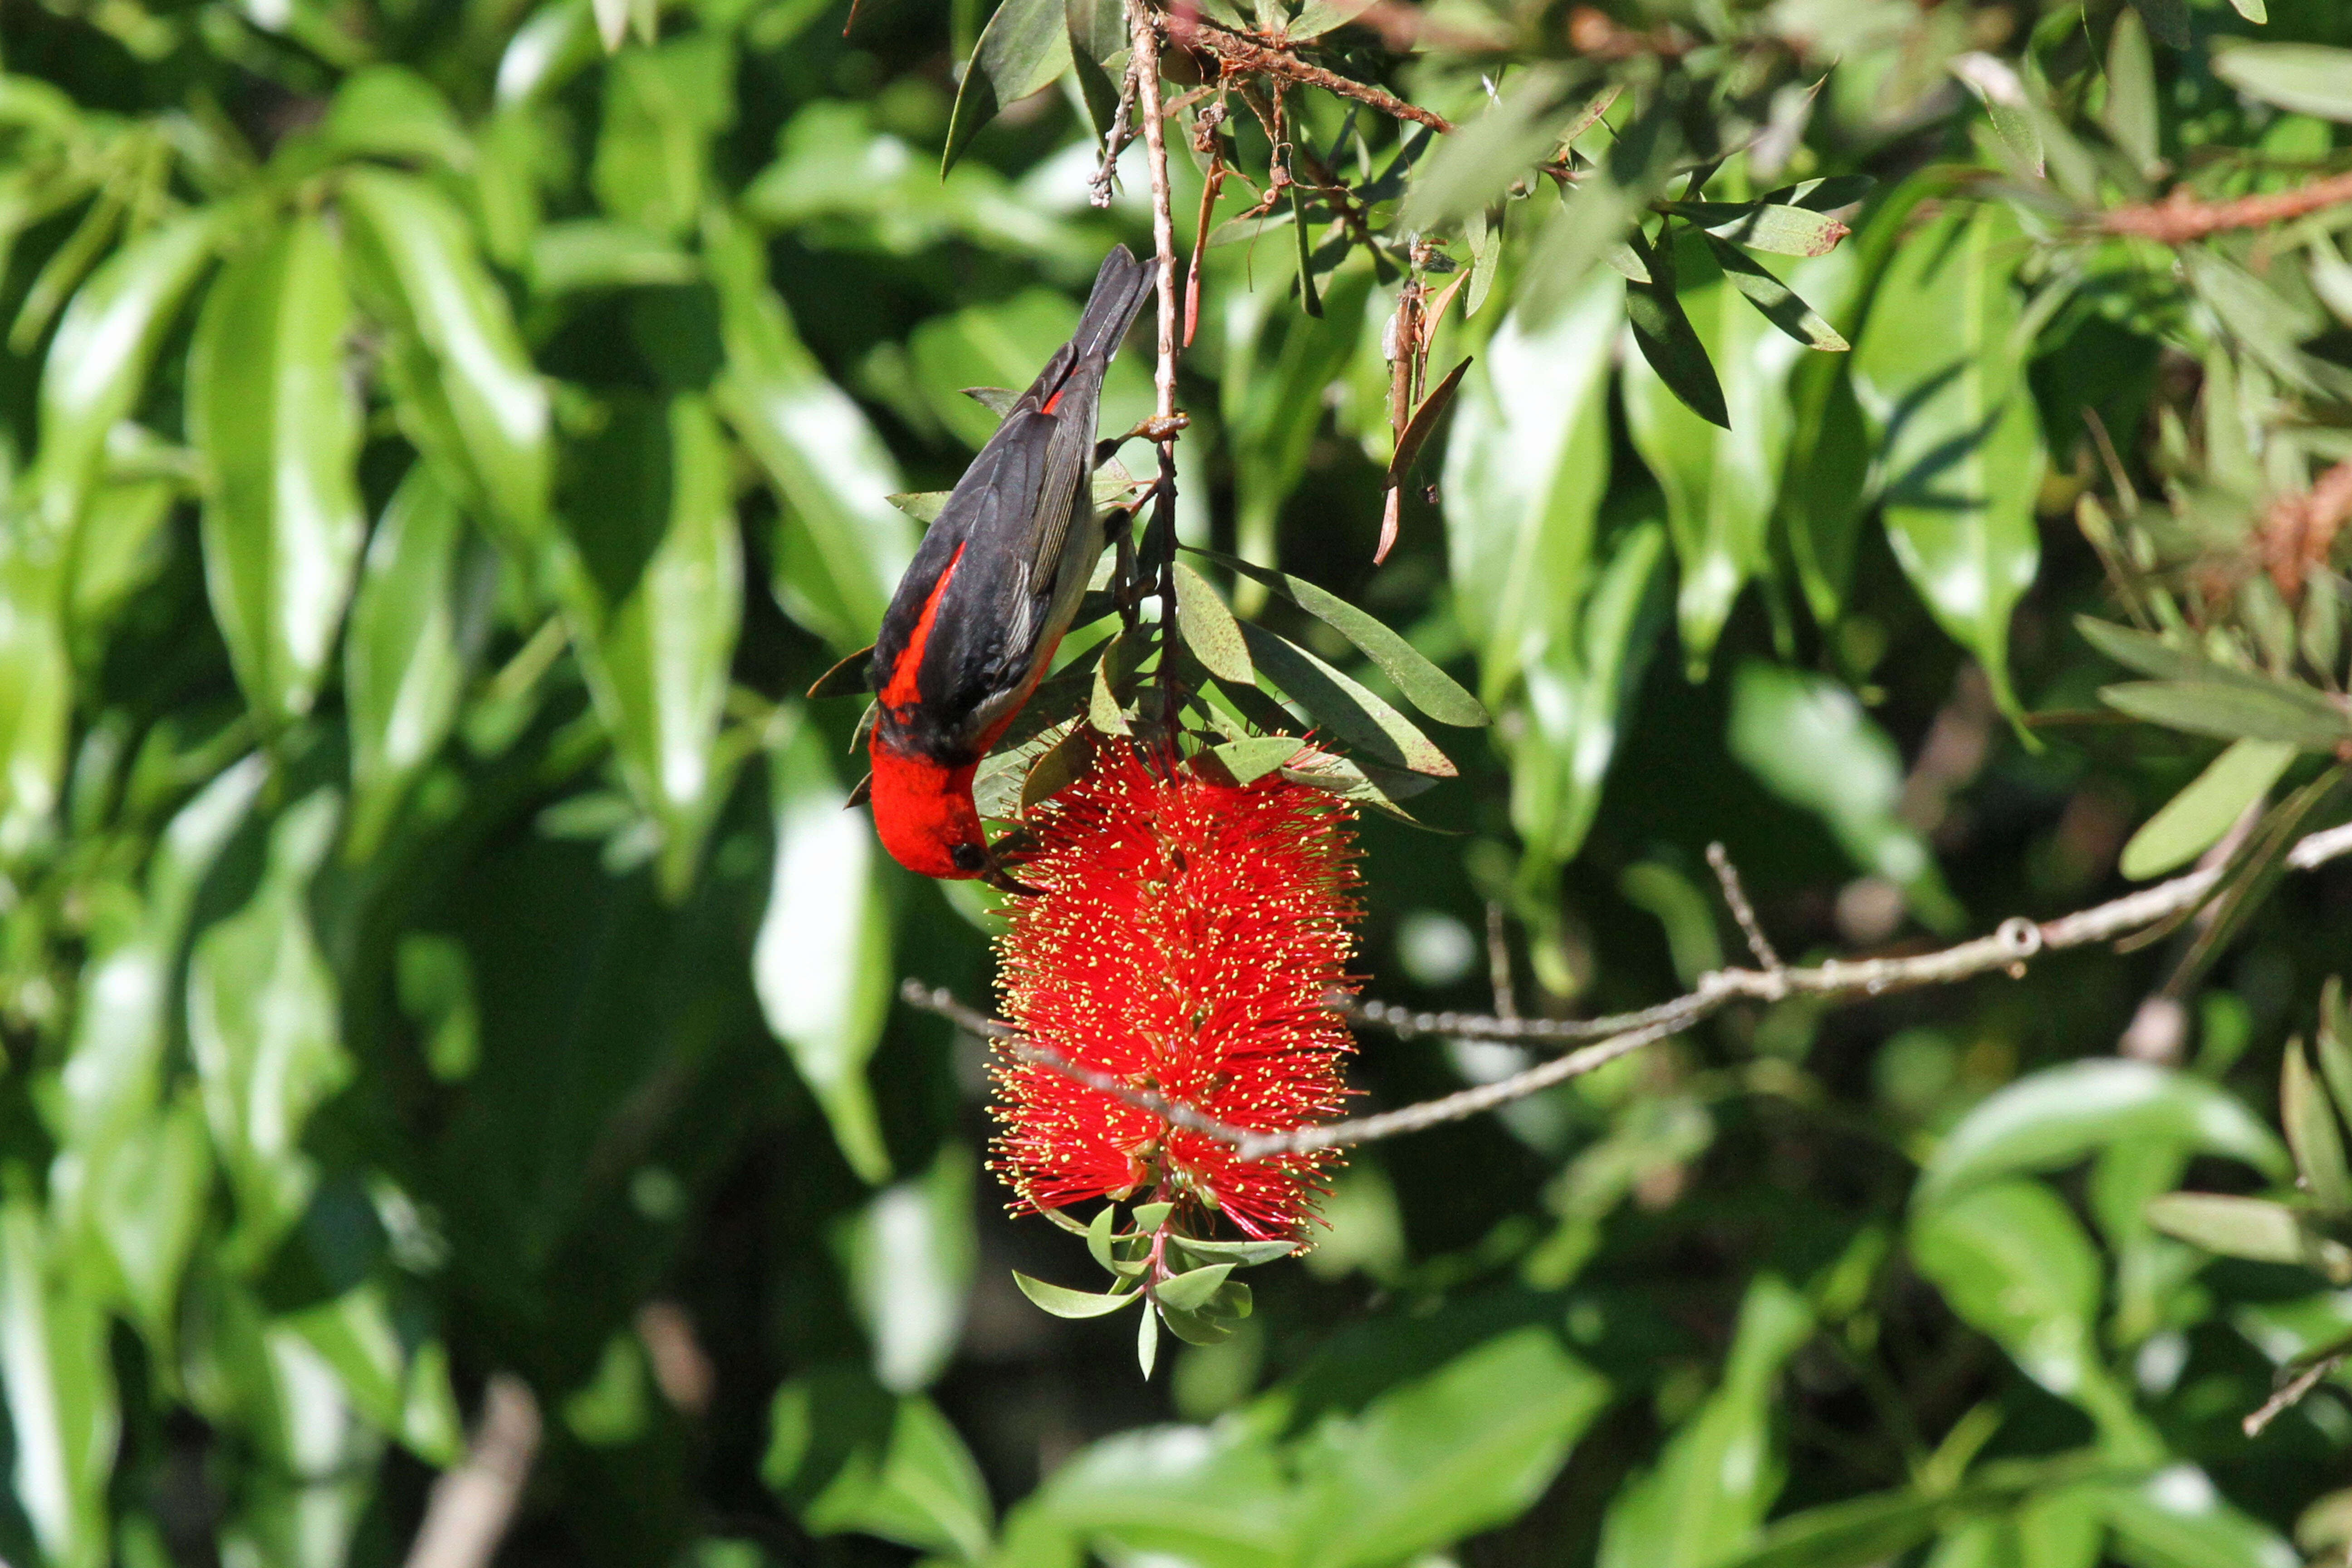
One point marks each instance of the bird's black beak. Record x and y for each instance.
(1000, 876)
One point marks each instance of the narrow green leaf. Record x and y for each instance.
(1354, 714)
(1776, 300)
(1309, 299)
(2335, 1041)
(2151, 655)
(1190, 1292)
(467, 393)
(1962, 457)
(2194, 820)
(98, 362)
(1024, 46)
(1247, 761)
(1147, 1343)
(1426, 686)
(650, 576)
(821, 963)
(2168, 20)
(1670, 343)
(263, 1031)
(1243, 1254)
(390, 111)
(1765, 225)
(1470, 169)
(270, 409)
(417, 621)
(2313, 1133)
(2061, 1115)
(60, 1389)
(912, 1255)
(1066, 1303)
(1208, 628)
(2308, 79)
(842, 545)
(2291, 715)
(2253, 1228)
(2130, 114)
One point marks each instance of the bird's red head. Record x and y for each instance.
(924, 812)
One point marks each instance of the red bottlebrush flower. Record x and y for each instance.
(1186, 935)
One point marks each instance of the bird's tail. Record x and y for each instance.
(1120, 289)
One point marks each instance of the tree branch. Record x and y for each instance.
(472, 1505)
(2009, 949)
(2182, 217)
(1143, 24)
(1237, 54)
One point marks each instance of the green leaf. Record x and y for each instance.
(1024, 46)
(662, 106)
(1354, 714)
(2293, 716)
(1243, 1254)
(2176, 1520)
(1778, 303)
(1470, 170)
(1426, 686)
(1272, 396)
(1098, 35)
(1247, 761)
(584, 255)
(1962, 459)
(650, 571)
(1809, 742)
(2335, 1042)
(1067, 1303)
(1855, 1533)
(1719, 1475)
(1208, 628)
(1147, 1341)
(911, 1265)
(2253, 1228)
(1764, 226)
(2308, 79)
(2012, 1260)
(1668, 342)
(2313, 1133)
(419, 617)
(141, 1195)
(2130, 114)
(60, 1392)
(1214, 1496)
(390, 111)
(1577, 692)
(842, 545)
(271, 410)
(2194, 820)
(2052, 1118)
(1189, 1293)
(845, 1455)
(2168, 20)
(1825, 485)
(467, 392)
(265, 1032)
(821, 961)
(1445, 1456)
(1719, 480)
(36, 691)
(97, 364)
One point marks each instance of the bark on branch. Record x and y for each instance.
(2182, 217)
(2016, 943)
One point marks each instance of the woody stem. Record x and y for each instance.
(1144, 35)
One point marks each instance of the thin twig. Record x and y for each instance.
(2182, 217)
(1237, 54)
(1143, 24)
(2290, 1394)
(1498, 963)
(1122, 131)
(1728, 874)
(472, 1505)
(2009, 949)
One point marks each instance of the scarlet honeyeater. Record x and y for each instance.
(989, 593)
(1189, 937)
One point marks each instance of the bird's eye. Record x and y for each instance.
(969, 857)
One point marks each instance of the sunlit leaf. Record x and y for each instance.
(2194, 820)
(1024, 46)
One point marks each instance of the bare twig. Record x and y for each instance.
(1727, 875)
(1122, 131)
(2009, 949)
(2290, 1394)
(1237, 54)
(473, 1504)
(2182, 217)
(1499, 963)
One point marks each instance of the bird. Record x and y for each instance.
(992, 589)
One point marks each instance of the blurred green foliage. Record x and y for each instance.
(438, 451)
